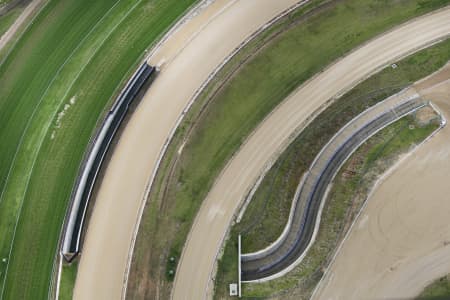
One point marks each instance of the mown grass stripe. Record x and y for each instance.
(7, 212)
(27, 126)
(9, 101)
(57, 162)
(44, 132)
(8, 47)
(18, 96)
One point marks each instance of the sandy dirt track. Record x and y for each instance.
(401, 240)
(186, 60)
(199, 255)
(28, 11)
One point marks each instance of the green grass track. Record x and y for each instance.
(55, 85)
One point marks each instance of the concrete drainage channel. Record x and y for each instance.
(291, 247)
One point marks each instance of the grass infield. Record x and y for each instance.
(55, 86)
(244, 92)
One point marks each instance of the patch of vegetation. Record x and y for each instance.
(247, 89)
(67, 282)
(4, 2)
(438, 290)
(8, 19)
(426, 4)
(50, 106)
(171, 266)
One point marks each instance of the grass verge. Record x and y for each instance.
(244, 92)
(438, 290)
(50, 105)
(67, 282)
(8, 19)
(4, 2)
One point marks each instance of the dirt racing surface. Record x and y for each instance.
(401, 240)
(186, 59)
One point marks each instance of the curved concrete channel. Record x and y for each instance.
(290, 248)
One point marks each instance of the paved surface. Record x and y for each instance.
(28, 11)
(186, 60)
(401, 240)
(205, 239)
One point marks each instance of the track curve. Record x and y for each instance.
(229, 190)
(107, 244)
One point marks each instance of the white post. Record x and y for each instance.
(239, 266)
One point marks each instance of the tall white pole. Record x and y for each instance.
(239, 266)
